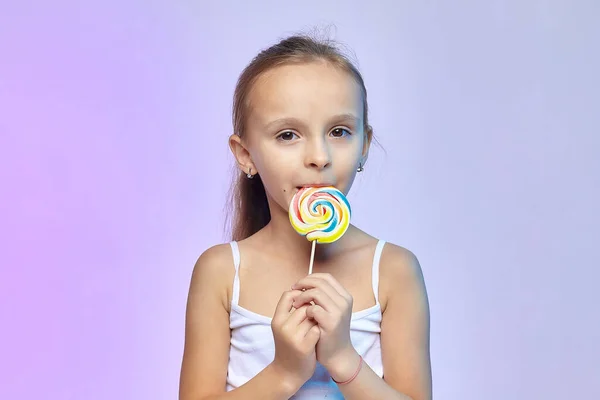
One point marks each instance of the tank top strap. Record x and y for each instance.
(375, 272)
(235, 250)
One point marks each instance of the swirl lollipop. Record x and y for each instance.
(321, 214)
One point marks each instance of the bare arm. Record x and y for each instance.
(207, 335)
(405, 326)
(266, 385)
(404, 338)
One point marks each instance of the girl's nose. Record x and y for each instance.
(318, 155)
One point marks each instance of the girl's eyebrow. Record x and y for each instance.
(284, 122)
(346, 117)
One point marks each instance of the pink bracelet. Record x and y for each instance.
(353, 376)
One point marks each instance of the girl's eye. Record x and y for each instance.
(340, 132)
(286, 136)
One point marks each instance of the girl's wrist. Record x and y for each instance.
(344, 367)
(286, 381)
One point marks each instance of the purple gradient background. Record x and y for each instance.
(113, 125)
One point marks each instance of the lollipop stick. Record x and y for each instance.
(312, 257)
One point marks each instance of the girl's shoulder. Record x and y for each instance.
(398, 256)
(400, 273)
(215, 257)
(399, 268)
(391, 253)
(394, 257)
(214, 271)
(396, 263)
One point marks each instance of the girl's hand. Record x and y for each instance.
(332, 310)
(295, 337)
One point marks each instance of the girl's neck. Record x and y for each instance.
(287, 242)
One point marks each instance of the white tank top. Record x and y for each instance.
(252, 347)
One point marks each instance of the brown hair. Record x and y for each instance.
(248, 199)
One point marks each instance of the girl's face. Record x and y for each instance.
(305, 128)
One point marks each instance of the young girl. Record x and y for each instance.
(259, 327)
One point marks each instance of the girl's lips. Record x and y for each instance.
(314, 185)
(299, 188)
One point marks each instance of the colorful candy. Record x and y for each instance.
(322, 214)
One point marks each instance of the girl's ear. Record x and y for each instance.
(366, 144)
(241, 154)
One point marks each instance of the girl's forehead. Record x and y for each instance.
(305, 90)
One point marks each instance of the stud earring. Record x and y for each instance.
(360, 168)
(249, 174)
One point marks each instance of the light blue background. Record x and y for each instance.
(114, 118)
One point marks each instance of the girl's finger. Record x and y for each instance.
(319, 297)
(296, 317)
(306, 325)
(334, 283)
(318, 314)
(285, 305)
(320, 283)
